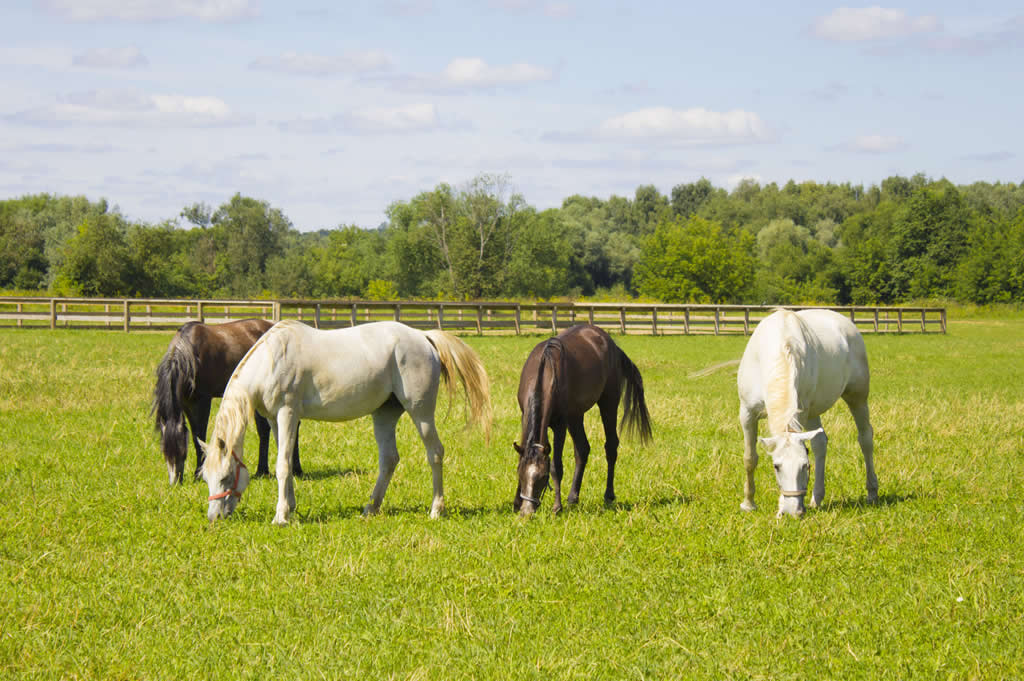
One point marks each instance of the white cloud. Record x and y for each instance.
(130, 109)
(861, 24)
(54, 58)
(397, 120)
(465, 74)
(152, 10)
(877, 144)
(693, 126)
(318, 65)
(111, 58)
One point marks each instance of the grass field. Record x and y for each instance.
(106, 572)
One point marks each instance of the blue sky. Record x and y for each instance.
(331, 111)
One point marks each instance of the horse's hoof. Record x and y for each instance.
(609, 501)
(370, 510)
(872, 497)
(437, 510)
(280, 522)
(556, 509)
(261, 473)
(748, 506)
(814, 503)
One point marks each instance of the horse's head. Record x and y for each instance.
(226, 475)
(174, 443)
(792, 465)
(533, 471)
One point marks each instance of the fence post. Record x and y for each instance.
(622, 320)
(554, 319)
(316, 316)
(716, 321)
(354, 315)
(440, 315)
(480, 320)
(876, 320)
(899, 320)
(398, 312)
(654, 321)
(686, 321)
(127, 315)
(746, 321)
(18, 308)
(923, 328)
(199, 311)
(517, 319)
(53, 313)
(590, 315)
(942, 318)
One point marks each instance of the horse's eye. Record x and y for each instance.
(778, 467)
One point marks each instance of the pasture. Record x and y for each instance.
(107, 572)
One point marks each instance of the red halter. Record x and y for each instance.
(233, 492)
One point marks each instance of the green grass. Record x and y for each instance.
(106, 572)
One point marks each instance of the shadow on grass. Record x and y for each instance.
(327, 473)
(861, 502)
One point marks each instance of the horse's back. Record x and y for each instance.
(342, 374)
(831, 353)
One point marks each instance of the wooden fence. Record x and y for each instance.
(480, 317)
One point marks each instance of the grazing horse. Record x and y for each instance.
(562, 379)
(195, 369)
(796, 365)
(296, 372)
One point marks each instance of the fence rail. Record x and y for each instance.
(478, 317)
(127, 314)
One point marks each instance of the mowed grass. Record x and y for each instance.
(107, 572)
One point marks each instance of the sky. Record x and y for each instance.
(331, 111)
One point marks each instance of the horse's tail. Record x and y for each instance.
(175, 381)
(458, 359)
(635, 419)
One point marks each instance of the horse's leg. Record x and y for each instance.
(284, 426)
(198, 413)
(296, 464)
(263, 431)
(748, 421)
(866, 440)
(819, 445)
(435, 457)
(557, 445)
(581, 448)
(385, 419)
(609, 410)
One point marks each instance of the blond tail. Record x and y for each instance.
(458, 359)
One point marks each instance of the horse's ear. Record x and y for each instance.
(800, 437)
(221, 445)
(202, 444)
(538, 447)
(769, 443)
(515, 446)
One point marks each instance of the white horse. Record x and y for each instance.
(796, 365)
(296, 372)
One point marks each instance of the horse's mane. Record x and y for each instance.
(236, 408)
(175, 378)
(780, 390)
(550, 359)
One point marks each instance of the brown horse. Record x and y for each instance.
(196, 368)
(562, 379)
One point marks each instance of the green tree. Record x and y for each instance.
(696, 260)
(96, 261)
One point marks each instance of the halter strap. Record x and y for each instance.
(794, 493)
(233, 491)
(536, 501)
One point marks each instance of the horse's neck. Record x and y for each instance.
(233, 414)
(543, 401)
(789, 361)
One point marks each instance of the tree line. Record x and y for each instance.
(907, 238)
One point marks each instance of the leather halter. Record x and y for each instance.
(233, 490)
(794, 493)
(536, 501)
